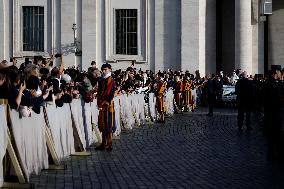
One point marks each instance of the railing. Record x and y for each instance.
(58, 132)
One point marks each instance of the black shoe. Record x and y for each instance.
(100, 147)
(109, 148)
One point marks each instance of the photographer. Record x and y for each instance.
(129, 84)
(56, 73)
(85, 87)
(21, 94)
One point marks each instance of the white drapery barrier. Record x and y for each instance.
(29, 134)
(95, 118)
(126, 112)
(130, 110)
(152, 106)
(87, 117)
(94, 112)
(117, 109)
(60, 124)
(3, 139)
(133, 108)
(139, 104)
(140, 111)
(170, 102)
(76, 112)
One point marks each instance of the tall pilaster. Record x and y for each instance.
(100, 32)
(67, 38)
(243, 35)
(2, 30)
(89, 37)
(190, 35)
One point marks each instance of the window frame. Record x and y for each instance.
(126, 33)
(17, 29)
(41, 29)
(142, 39)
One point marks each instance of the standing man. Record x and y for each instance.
(186, 93)
(210, 92)
(105, 95)
(244, 91)
(160, 97)
(273, 103)
(178, 94)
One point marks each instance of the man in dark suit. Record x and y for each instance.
(273, 103)
(210, 90)
(244, 91)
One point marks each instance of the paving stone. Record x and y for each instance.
(189, 151)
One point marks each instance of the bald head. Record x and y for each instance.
(245, 74)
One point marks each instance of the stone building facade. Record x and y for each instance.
(204, 35)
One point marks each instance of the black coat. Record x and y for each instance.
(210, 87)
(272, 104)
(244, 91)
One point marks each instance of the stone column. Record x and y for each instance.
(100, 32)
(257, 41)
(67, 37)
(190, 36)
(243, 35)
(159, 35)
(89, 31)
(2, 30)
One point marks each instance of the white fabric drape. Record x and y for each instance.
(140, 108)
(94, 112)
(127, 113)
(169, 102)
(29, 131)
(30, 141)
(152, 106)
(95, 119)
(3, 140)
(133, 108)
(117, 109)
(76, 112)
(87, 117)
(60, 123)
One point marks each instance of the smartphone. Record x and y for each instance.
(22, 78)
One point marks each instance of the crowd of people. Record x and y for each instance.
(29, 85)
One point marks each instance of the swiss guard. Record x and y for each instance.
(178, 94)
(160, 97)
(105, 95)
(186, 93)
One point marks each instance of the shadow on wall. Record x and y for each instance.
(67, 49)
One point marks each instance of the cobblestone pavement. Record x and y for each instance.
(189, 151)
